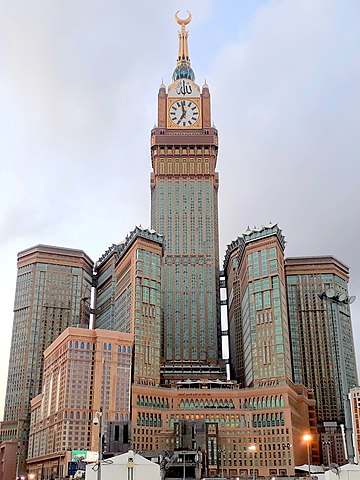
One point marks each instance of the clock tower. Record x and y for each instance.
(184, 209)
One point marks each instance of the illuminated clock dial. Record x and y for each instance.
(184, 113)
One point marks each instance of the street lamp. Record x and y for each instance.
(307, 438)
(252, 448)
(184, 467)
(17, 462)
(98, 421)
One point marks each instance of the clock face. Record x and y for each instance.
(184, 113)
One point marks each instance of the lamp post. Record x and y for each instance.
(98, 421)
(307, 437)
(222, 461)
(17, 462)
(252, 449)
(184, 471)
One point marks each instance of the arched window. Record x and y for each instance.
(82, 346)
(76, 344)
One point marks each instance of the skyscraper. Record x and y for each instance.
(198, 409)
(354, 396)
(291, 317)
(257, 308)
(184, 209)
(51, 284)
(128, 278)
(322, 341)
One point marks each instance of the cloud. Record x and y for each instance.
(287, 104)
(78, 95)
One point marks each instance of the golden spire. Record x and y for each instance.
(183, 57)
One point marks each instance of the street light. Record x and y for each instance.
(252, 448)
(17, 462)
(184, 466)
(307, 438)
(98, 421)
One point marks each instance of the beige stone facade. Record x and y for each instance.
(221, 421)
(85, 371)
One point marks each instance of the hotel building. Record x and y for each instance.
(156, 314)
(85, 371)
(354, 397)
(184, 209)
(51, 283)
(322, 343)
(128, 299)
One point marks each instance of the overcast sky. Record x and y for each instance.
(78, 92)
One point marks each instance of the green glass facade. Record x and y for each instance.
(321, 337)
(128, 298)
(184, 210)
(48, 299)
(52, 290)
(257, 308)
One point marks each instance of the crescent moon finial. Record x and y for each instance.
(181, 21)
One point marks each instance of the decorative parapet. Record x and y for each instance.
(120, 249)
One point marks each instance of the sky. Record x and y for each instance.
(78, 98)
